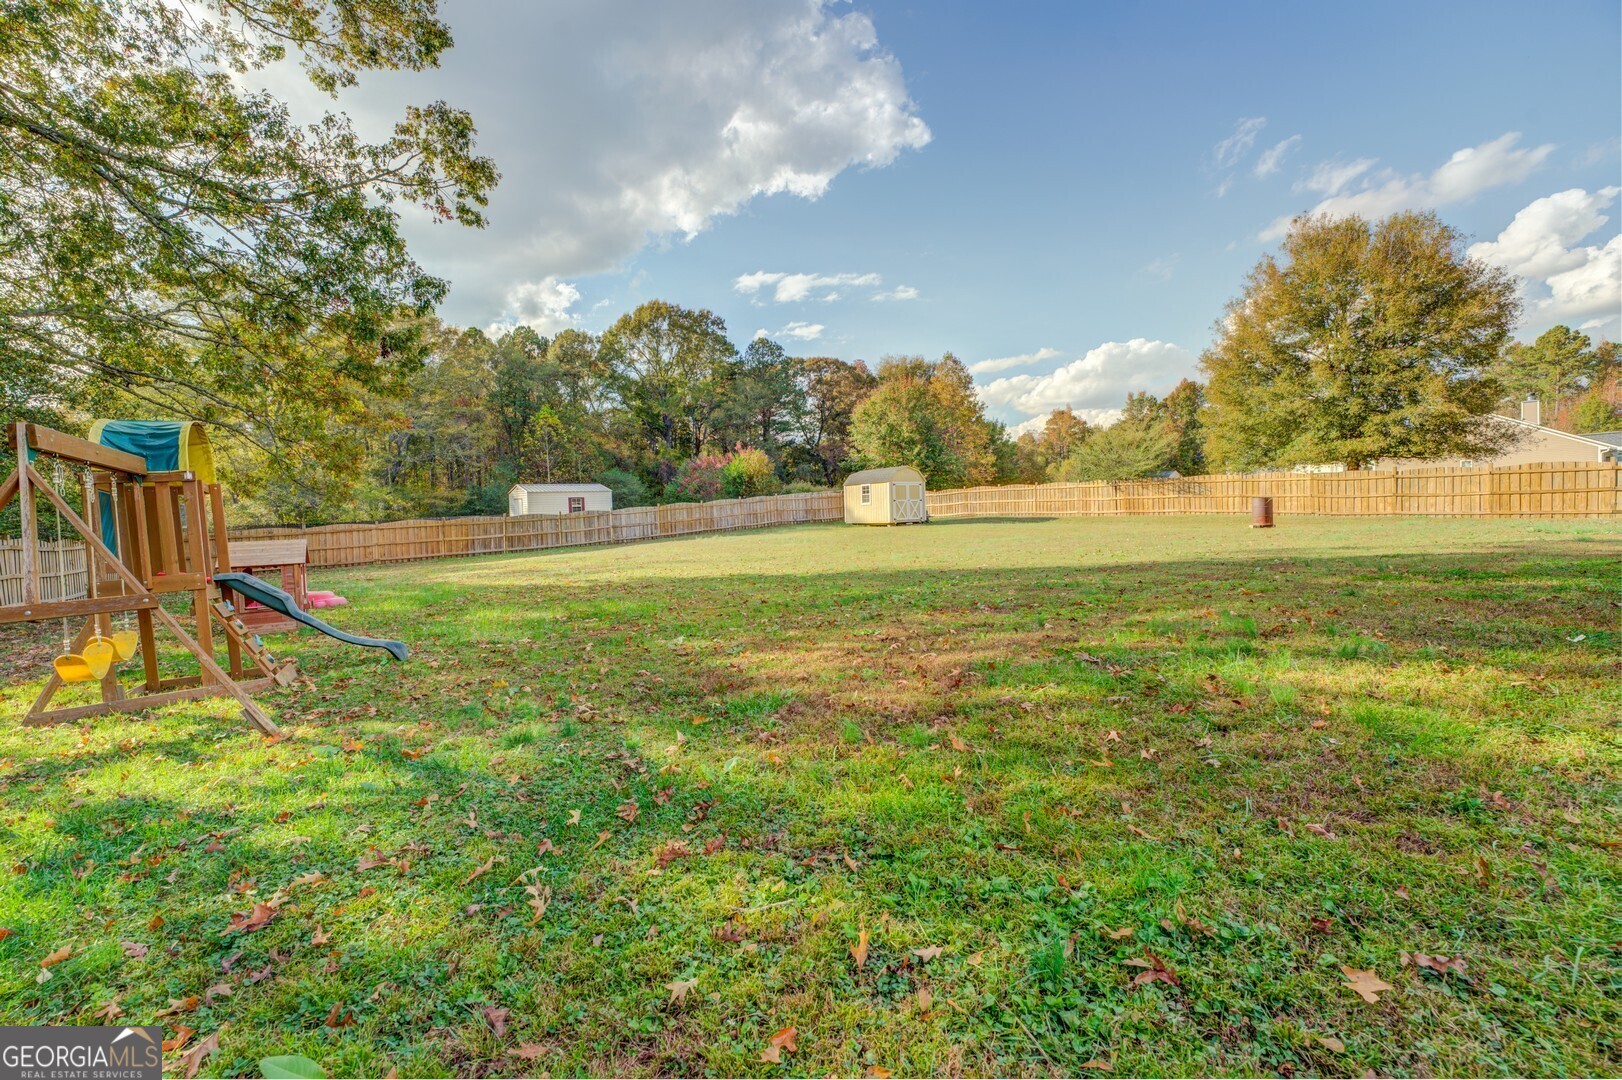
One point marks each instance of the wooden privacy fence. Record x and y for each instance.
(1567, 489)
(1557, 489)
(405, 541)
(61, 563)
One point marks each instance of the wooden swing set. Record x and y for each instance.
(147, 534)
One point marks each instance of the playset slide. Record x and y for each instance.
(263, 592)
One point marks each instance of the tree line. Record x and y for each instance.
(176, 246)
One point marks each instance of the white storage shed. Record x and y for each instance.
(892, 496)
(558, 499)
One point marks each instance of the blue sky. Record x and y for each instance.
(1073, 190)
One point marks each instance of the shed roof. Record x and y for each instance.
(557, 487)
(1610, 438)
(885, 476)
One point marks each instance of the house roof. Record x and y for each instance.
(558, 488)
(904, 473)
(1608, 439)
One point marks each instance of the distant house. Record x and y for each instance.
(557, 499)
(1533, 444)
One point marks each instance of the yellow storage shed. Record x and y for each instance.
(892, 496)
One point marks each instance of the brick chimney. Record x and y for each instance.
(1531, 411)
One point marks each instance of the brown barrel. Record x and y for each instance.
(1261, 512)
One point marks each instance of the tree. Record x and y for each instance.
(178, 242)
(750, 472)
(764, 401)
(1594, 413)
(1126, 450)
(671, 369)
(1558, 364)
(1063, 432)
(1184, 410)
(830, 390)
(628, 488)
(926, 415)
(1366, 341)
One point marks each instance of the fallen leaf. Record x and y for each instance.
(630, 811)
(782, 1040)
(1155, 970)
(257, 919)
(337, 1018)
(181, 1037)
(1098, 1065)
(679, 989)
(217, 990)
(858, 951)
(484, 869)
(179, 1005)
(57, 957)
(109, 1012)
(1118, 933)
(133, 949)
(959, 745)
(1331, 1043)
(975, 959)
(529, 1051)
(154, 925)
(497, 1016)
(928, 953)
(878, 1072)
(198, 1054)
(1440, 964)
(1367, 984)
(925, 999)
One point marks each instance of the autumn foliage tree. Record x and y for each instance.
(172, 241)
(927, 415)
(1361, 341)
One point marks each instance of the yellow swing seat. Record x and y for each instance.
(98, 655)
(71, 667)
(125, 642)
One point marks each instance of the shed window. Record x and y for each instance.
(867, 494)
(577, 504)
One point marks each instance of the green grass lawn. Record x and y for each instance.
(1090, 794)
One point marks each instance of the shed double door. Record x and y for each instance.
(906, 502)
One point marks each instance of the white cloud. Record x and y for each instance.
(541, 305)
(619, 124)
(1161, 269)
(803, 331)
(1562, 279)
(1094, 384)
(1229, 151)
(1272, 158)
(1328, 177)
(1004, 363)
(1467, 173)
(792, 288)
(900, 292)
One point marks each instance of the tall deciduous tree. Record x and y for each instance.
(1126, 450)
(830, 390)
(672, 368)
(168, 236)
(1364, 341)
(926, 415)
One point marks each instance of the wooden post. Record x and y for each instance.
(30, 524)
